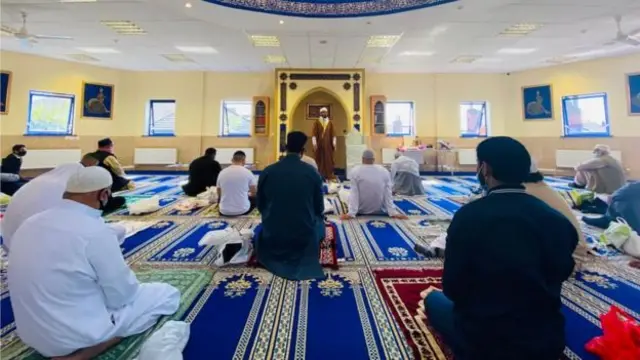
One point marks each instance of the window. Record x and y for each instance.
(585, 115)
(400, 118)
(161, 118)
(50, 113)
(474, 119)
(236, 118)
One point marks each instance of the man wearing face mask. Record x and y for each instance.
(73, 295)
(10, 178)
(506, 258)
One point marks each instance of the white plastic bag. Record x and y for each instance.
(210, 195)
(622, 237)
(167, 343)
(144, 206)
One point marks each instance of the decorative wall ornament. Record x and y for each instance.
(284, 76)
(283, 117)
(5, 91)
(537, 102)
(330, 8)
(633, 94)
(356, 77)
(97, 100)
(283, 96)
(293, 86)
(356, 97)
(346, 86)
(356, 117)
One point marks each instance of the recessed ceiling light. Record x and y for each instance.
(516, 51)
(417, 53)
(82, 57)
(197, 49)
(275, 59)
(382, 41)
(281, 22)
(177, 58)
(520, 29)
(265, 40)
(98, 50)
(123, 27)
(466, 59)
(187, 5)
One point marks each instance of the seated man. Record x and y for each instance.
(109, 161)
(603, 174)
(507, 255)
(203, 173)
(405, 175)
(10, 178)
(291, 204)
(624, 203)
(236, 188)
(370, 192)
(309, 160)
(73, 295)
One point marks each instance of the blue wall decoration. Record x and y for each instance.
(97, 100)
(537, 102)
(633, 93)
(330, 8)
(5, 91)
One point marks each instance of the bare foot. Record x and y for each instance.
(90, 352)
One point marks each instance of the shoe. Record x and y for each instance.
(576, 186)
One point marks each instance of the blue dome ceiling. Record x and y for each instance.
(330, 8)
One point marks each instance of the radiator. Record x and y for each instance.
(48, 159)
(467, 157)
(388, 155)
(571, 158)
(224, 155)
(150, 156)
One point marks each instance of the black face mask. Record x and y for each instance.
(481, 180)
(22, 152)
(103, 203)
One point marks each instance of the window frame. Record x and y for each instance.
(151, 120)
(223, 108)
(486, 115)
(565, 119)
(412, 130)
(70, 119)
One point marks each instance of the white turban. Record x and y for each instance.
(89, 179)
(324, 109)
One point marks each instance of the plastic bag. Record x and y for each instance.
(622, 237)
(144, 206)
(167, 343)
(620, 339)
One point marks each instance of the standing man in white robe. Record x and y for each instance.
(405, 176)
(72, 293)
(370, 192)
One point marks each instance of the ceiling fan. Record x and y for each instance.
(629, 38)
(28, 38)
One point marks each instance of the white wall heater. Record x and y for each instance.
(224, 155)
(48, 159)
(151, 156)
(571, 158)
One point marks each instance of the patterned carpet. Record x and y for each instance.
(369, 308)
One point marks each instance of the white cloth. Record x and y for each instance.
(70, 286)
(39, 194)
(370, 191)
(309, 160)
(144, 206)
(404, 164)
(167, 343)
(234, 183)
(88, 179)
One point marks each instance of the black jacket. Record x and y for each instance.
(119, 182)
(203, 173)
(11, 164)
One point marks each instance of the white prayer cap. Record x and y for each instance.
(88, 179)
(324, 109)
(603, 149)
(368, 154)
(534, 167)
(398, 154)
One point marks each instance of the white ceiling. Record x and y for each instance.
(576, 29)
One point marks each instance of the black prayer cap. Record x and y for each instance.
(296, 141)
(508, 158)
(105, 142)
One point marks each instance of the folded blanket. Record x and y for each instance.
(144, 206)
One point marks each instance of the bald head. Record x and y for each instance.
(90, 186)
(368, 157)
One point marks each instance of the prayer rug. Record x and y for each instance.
(401, 290)
(329, 247)
(164, 202)
(137, 242)
(152, 190)
(213, 211)
(409, 208)
(251, 314)
(190, 282)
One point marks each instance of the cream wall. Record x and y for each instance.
(199, 96)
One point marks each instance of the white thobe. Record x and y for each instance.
(70, 286)
(370, 191)
(39, 194)
(404, 164)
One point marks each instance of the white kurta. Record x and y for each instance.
(39, 194)
(370, 191)
(404, 164)
(70, 286)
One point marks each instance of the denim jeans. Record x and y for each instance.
(440, 315)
